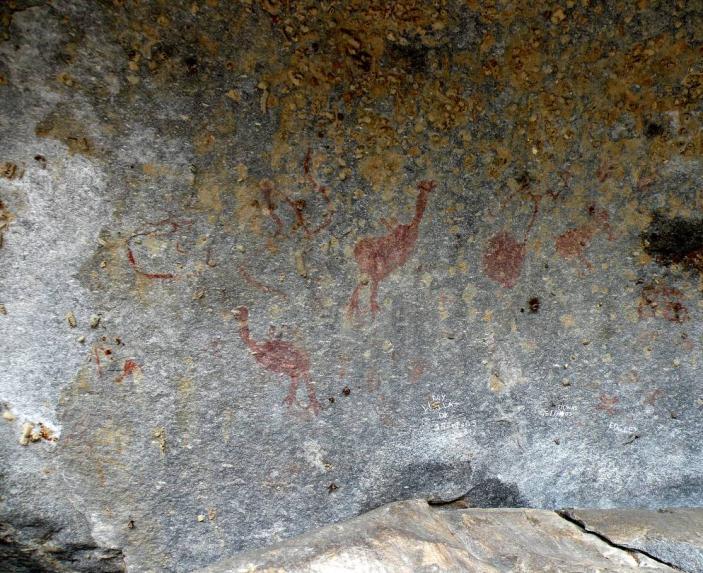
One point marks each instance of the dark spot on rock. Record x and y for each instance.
(346, 391)
(332, 487)
(363, 59)
(492, 492)
(675, 240)
(525, 179)
(191, 63)
(534, 304)
(412, 56)
(331, 399)
(652, 129)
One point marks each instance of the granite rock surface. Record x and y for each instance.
(673, 536)
(265, 266)
(411, 536)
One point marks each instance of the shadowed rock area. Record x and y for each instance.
(267, 265)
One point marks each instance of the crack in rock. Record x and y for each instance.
(564, 514)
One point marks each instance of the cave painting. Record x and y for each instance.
(503, 259)
(298, 206)
(162, 228)
(504, 255)
(377, 257)
(280, 357)
(573, 243)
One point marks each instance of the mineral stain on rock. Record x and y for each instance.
(675, 240)
(661, 301)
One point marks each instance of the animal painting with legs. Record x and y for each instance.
(280, 357)
(378, 257)
(298, 206)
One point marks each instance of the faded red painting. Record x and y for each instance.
(281, 357)
(377, 257)
(503, 259)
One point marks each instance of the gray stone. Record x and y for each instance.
(467, 237)
(673, 536)
(410, 536)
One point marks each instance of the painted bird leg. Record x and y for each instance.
(354, 302)
(313, 403)
(292, 391)
(373, 298)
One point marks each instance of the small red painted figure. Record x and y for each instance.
(377, 257)
(503, 259)
(573, 243)
(281, 357)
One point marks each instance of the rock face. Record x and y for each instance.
(265, 266)
(411, 537)
(674, 536)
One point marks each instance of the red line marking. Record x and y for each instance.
(246, 275)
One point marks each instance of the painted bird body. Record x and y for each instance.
(281, 357)
(378, 257)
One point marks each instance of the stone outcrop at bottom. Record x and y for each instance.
(413, 536)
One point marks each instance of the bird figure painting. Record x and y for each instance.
(378, 257)
(281, 357)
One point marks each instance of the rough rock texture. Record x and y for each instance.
(267, 265)
(411, 537)
(674, 536)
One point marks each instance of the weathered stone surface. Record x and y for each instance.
(674, 536)
(40, 529)
(466, 235)
(410, 536)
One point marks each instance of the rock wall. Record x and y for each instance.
(269, 265)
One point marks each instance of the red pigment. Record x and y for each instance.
(503, 259)
(377, 257)
(280, 357)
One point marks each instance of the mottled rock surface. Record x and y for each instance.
(267, 265)
(674, 536)
(411, 537)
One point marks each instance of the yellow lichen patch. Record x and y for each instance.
(209, 186)
(567, 320)
(635, 218)
(443, 308)
(204, 142)
(383, 171)
(249, 211)
(184, 389)
(10, 170)
(158, 435)
(495, 384)
(158, 170)
(62, 126)
(242, 172)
